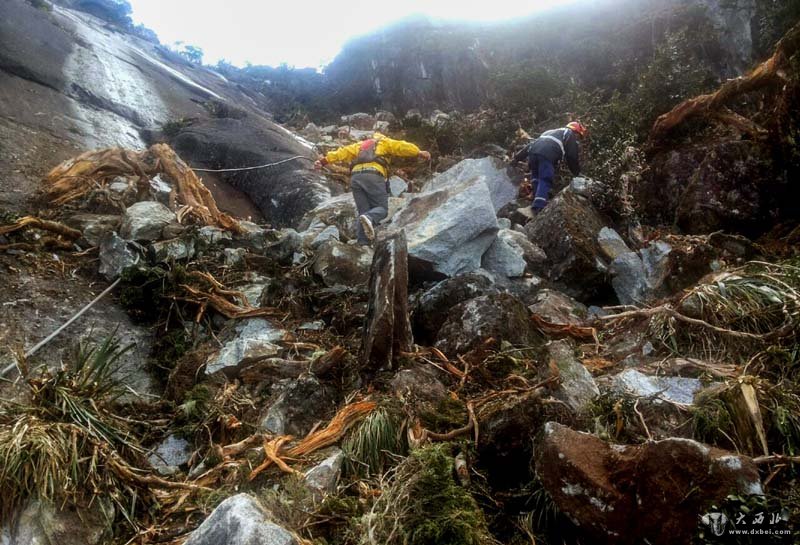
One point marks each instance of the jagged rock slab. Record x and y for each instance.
(240, 520)
(146, 221)
(491, 170)
(388, 330)
(448, 229)
(339, 211)
(650, 493)
(611, 243)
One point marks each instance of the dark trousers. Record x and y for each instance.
(372, 199)
(542, 171)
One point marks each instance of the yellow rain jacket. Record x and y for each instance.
(386, 147)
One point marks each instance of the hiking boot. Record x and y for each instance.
(366, 225)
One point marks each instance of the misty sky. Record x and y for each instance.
(300, 33)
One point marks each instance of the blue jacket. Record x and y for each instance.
(547, 146)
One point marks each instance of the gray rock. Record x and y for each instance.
(383, 115)
(503, 259)
(629, 279)
(94, 226)
(434, 305)
(558, 308)
(381, 126)
(577, 387)
(145, 221)
(611, 243)
(317, 325)
(339, 211)
(656, 260)
(252, 340)
(240, 520)
(448, 229)
(282, 244)
(499, 316)
(209, 235)
(116, 255)
(511, 254)
(43, 524)
(254, 291)
(301, 404)
(361, 120)
(504, 223)
(397, 186)
(160, 190)
(582, 186)
(339, 264)
(234, 256)
(322, 478)
(526, 288)
(491, 170)
(331, 232)
(174, 249)
(170, 454)
(674, 389)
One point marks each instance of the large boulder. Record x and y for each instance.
(567, 231)
(340, 264)
(388, 330)
(448, 228)
(434, 305)
(498, 316)
(491, 170)
(283, 193)
(650, 493)
(732, 186)
(241, 520)
(146, 221)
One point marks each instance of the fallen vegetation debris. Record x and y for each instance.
(77, 177)
(768, 72)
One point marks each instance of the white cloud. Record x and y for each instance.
(300, 33)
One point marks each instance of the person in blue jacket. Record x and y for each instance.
(546, 152)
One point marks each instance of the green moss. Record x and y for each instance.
(448, 415)
(711, 421)
(425, 506)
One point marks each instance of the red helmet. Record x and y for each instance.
(577, 127)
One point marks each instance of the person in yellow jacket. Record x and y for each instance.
(369, 173)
